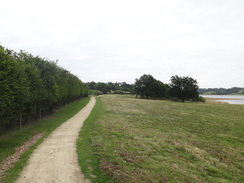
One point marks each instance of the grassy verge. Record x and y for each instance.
(135, 140)
(9, 141)
(88, 155)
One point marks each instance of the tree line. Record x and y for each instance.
(222, 91)
(180, 88)
(110, 87)
(31, 87)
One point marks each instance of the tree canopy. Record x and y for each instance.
(148, 87)
(32, 86)
(103, 87)
(180, 88)
(110, 87)
(184, 88)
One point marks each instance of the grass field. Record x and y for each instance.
(134, 140)
(11, 140)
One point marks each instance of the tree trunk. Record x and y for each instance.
(20, 121)
(40, 113)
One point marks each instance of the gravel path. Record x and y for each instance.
(55, 160)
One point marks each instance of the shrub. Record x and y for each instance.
(201, 99)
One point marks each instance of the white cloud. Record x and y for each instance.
(119, 40)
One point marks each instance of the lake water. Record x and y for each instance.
(227, 98)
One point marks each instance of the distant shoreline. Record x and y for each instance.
(214, 101)
(223, 99)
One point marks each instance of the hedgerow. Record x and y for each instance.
(31, 87)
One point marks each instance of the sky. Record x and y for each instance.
(120, 40)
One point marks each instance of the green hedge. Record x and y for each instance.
(31, 86)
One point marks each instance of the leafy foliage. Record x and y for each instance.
(148, 87)
(184, 88)
(110, 87)
(103, 87)
(31, 86)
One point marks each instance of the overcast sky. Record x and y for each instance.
(120, 40)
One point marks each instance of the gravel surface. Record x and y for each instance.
(55, 160)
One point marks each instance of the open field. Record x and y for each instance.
(12, 143)
(135, 140)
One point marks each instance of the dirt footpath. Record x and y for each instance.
(55, 160)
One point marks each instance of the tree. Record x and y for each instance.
(112, 86)
(184, 88)
(125, 87)
(148, 87)
(14, 93)
(103, 87)
(91, 85)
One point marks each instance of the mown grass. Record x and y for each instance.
(135, 140)
(10, 140)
